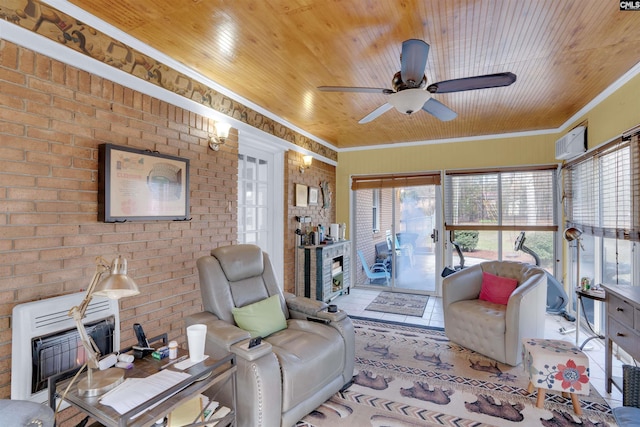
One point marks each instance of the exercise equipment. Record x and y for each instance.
(450, 270)
(557, 298)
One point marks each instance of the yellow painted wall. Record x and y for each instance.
(612, 116)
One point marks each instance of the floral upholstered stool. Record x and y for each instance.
(556, 365)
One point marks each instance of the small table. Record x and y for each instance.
(590, 294)
(202, 376)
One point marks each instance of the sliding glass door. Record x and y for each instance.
(413, 236)
(397, 225)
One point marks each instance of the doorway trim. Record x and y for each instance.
(261, 145)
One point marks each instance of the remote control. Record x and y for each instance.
(255, 341)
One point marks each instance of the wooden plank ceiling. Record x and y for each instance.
(276, 53)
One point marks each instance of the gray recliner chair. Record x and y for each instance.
(295, 369)
(22, 413)
(495, 330)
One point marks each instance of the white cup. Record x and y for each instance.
(196, 335)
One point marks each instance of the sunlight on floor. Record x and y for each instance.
(358, 299)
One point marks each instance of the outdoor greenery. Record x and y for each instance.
(468, 240)
(541, 244)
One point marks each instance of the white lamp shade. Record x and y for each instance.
(222, 129)
(117, 285)
(409, 101)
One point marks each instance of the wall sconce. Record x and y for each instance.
(220, 137)
(306, 163)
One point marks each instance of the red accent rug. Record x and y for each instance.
(410, 376)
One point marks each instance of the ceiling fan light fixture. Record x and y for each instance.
(409, 100)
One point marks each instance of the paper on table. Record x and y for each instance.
(130, 394)
(187, 363)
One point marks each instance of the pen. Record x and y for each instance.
(179, 359)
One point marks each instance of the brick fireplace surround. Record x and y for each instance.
(52, 118)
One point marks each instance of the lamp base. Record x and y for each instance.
(100, 382)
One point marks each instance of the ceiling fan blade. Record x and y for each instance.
(471, 83)
(413, 60)
(439, 110)
(376, 113)
(355, 89)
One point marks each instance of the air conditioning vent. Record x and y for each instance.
(572, 144)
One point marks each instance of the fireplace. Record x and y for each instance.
(44, 331)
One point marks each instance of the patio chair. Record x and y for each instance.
(383, 255)
(402, 250)
(377, 271)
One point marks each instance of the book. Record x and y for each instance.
(186, 413)
(220, 413)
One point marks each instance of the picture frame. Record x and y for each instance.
(139, 185)
(313, 196)
(301, 195)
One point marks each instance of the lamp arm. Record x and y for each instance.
(92, 353)
(77, 313)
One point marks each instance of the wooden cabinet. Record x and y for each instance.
(324, 271)
(623, 327)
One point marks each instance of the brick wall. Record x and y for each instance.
(366, 238)
(52, 119)
(317, 173)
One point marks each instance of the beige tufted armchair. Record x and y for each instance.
(295, 369)
(495, 330)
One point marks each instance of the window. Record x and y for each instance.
(602, 191)
(602, 199)
(487, 209)
(253, 199)
(375, 207)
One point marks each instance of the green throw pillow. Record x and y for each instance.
(262, 318)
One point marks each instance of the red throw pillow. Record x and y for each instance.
(497, 289)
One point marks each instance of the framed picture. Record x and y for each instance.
(313, 196)
(136, 185)
(301, 195)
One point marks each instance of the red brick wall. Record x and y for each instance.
(52, 119)
(317, 173)
(366, 238)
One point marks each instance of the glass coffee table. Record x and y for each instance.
(216, 377)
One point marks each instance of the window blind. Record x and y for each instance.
(602, 190)
(394, 181)
(511, 200)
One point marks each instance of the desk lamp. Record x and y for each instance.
(571, 234)
(115, 286)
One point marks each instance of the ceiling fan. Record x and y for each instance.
(409, 93)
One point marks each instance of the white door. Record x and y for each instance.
(260, 197)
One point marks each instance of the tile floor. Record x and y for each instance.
(359, 298)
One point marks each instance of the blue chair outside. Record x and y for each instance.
(377, 271)
(402, 250)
